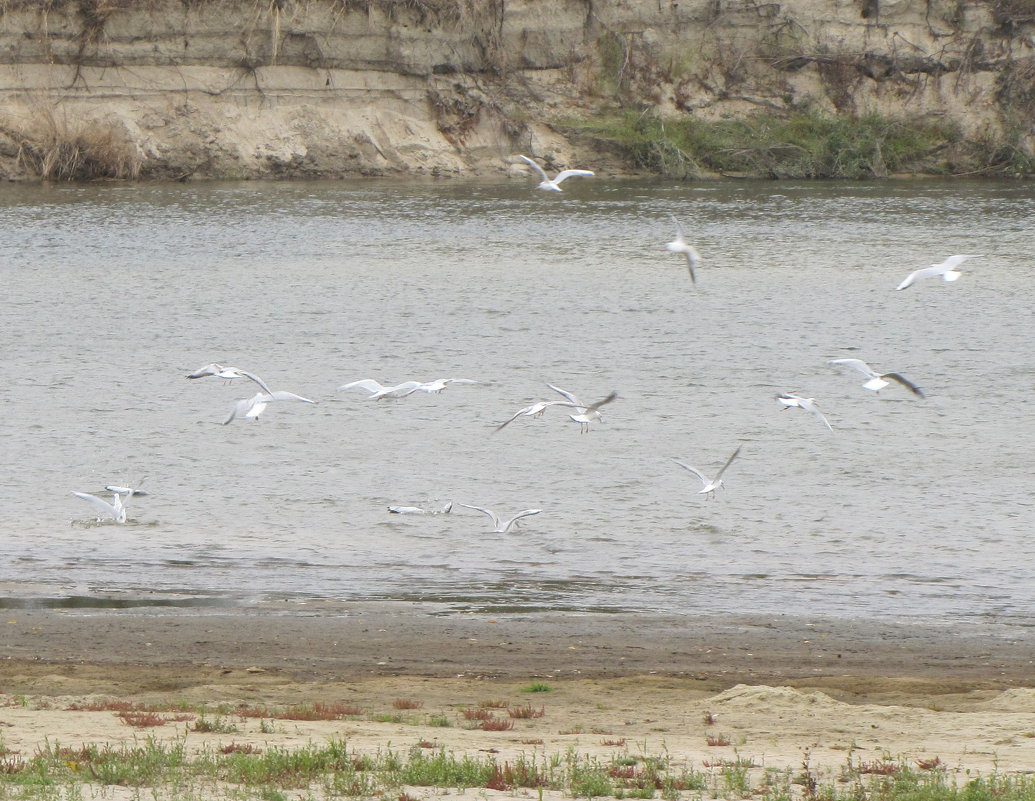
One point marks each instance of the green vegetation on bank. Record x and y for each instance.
(167, 770)
(801, 144)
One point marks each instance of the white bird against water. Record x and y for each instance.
(127, 491)
(554, 184)
(534, 410)
(584, 415)
(417, 510)
(502, 526)
(378, 391)
(808, 404)
(440, 384)
(680, 245)
(228, 374)
(947, 270)
(116, 510)
(710, 485)
(877, 381)
(254, 406)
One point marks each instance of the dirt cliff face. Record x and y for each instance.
(275, 88)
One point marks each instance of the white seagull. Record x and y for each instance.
(584, 415)
(417, 510)
(116, 510)
(535, 410)
(378, 391)
(877, 381)
(680, 245)
(808, 404)
(440, 384)
(254, 406)
(710, 485)
(502, 526)
(947, 270)
(228, 373)
(127, 491)
(552, 185)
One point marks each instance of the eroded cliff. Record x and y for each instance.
(268, 88)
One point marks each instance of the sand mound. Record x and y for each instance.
(749, 697)
(1016, 699)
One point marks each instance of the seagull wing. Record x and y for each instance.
(728, 463)
(691, 261)
(693, 470)
(208, 369)
(101, 504)
(810, 407)
(282, 395)
(915, 276)
(508, 523)
(593, 407)
(856, 364)
(492, 515)
(905, 382)
(517, 414)
(564, 174)
(257, 380)
(535, 166)
(956, 261)
(568, 395)
(369, 384)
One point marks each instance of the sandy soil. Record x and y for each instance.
(773, 688)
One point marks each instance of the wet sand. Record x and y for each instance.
(775, 688)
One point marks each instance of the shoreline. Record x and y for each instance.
(325, 641)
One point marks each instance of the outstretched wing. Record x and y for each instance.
(855, 364)
(564, 174)
(536, 167)
(256, 379)
(492, 515)
(102, 505)
(693, 470)
(905, 382)
(282, 395)
(524, 513)
(916, 275)
(208, 369)
(369, 384)
(810, 407)
(728, 463)
(567, 394)
(517, 414)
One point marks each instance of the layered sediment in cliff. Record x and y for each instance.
(268, 88)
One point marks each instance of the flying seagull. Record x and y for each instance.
(808, 404)
(116, 510)
(502, 526)
(227, 373)
(254, 406)
(710, 485)
(553, 185)
(877, 381)
(947, 270)
(440, 384)
(584, 415)
(378, 391)
(534, 410)
(680, 245)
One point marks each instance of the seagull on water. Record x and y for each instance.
(552, 185)
(947, 270)
(808, 404)
(680, 245)
(378, 391)
(710, 485)
(116, 510)
(254, 406)
(417, 510)
(877, 381)
(127, 491)
(228, 373)
(502, 526)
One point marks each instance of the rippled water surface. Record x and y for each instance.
(908, 508)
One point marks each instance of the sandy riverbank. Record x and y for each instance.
(773, 688)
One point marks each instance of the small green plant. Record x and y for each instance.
(537, 687)
(216, 725)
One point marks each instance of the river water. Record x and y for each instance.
(909, 508)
